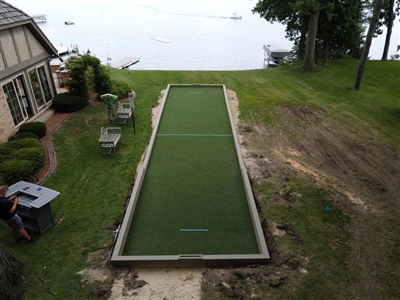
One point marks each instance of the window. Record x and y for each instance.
(40, 86)
(14, 102)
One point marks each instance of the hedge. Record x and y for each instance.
(14, 170)
(20, 159)
(37, 128)
(23, 135)
(66, 102)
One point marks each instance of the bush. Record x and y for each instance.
(5, 151)
(66, 102)
(20, 159)
(24, 143)
(23, 135)
(37, 128)
(34, 155)
(120, 88)
(15, 170)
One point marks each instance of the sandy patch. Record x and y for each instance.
(161, 284)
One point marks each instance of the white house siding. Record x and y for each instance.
(8, 46)
(35, 47)
(20, 40)
(7, 127)
(2, 67)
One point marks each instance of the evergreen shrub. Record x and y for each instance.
(20, 159)
(35, 155)
(38, 128)
(14, 170)
(66, 102)
(23, 135)
(24, 143)
(120, 88)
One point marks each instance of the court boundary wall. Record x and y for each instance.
(116, 257)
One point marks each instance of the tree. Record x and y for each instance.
(319, 28)
(10, 276)
(309, 55)
(368, 40)
(389, 17)
(340, 31)
(79, 70)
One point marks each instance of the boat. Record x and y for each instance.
(274, 53)
(40, 18)
(69, 22)
(236, 17)
(161, 40)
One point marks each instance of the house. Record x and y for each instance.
(27, 87)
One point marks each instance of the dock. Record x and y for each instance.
(123, 63)
(39, 18)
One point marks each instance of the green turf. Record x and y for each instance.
(193, 181)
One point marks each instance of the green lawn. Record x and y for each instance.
(94, 188)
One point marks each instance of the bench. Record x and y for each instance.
(124, 113)
(109, 138)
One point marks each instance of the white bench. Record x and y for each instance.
(109, 138)
(124, 113)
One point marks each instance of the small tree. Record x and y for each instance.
(77, 83)
(78, 72)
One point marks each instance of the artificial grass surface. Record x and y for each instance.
(193, 181)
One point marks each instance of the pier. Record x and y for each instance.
(123, 63)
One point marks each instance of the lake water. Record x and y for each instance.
(167, 35)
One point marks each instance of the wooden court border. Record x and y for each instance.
(116, 257)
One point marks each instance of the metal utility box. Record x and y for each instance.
(34, 205)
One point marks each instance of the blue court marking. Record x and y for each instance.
(191, 134)
(193, 229)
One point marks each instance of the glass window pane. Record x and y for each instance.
(37, 90)
(44, 83)
(13, 103)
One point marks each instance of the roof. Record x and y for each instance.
(276, 48)
(10, 16)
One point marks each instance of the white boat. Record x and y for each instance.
(236, 17)
(274, 53)
(40, 18)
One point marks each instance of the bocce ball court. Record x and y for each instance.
(192, 202)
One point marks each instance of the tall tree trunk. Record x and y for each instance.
(309, 56)
(368, 41)
(389, 30)
(326, 52)
(9, 275)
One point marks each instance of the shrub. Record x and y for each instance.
(23, 135)
(20, 159)
(101, 79)
(23, 143)
(66, 102)
(120, 88)
(34, 155)
(37, 128)
(15, 170)
(5, 151)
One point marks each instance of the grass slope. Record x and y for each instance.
(94, 187)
